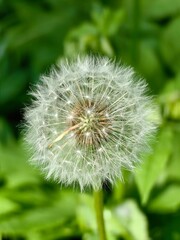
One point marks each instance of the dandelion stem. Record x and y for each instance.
(98, 201)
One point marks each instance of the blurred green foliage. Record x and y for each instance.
(141, 33)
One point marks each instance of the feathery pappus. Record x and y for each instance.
(89, 119)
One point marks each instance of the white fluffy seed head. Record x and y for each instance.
(90, 118)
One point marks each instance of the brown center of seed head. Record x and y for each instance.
(93, 123)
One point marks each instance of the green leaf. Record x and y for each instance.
(41, 218)
(134, 221)
(33, 220)
(159, 9)
(7, 206)
(57, 232)
(25, 195)
(14, 166)
(170, 46)
(106, 46)
(173, 166)
(153, 165)
(151, 69)
(87, 220)
(108, 21)
(170, 99)
(85, 213)
(173, 85)
(167, 201)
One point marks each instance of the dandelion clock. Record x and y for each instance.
(89, 119)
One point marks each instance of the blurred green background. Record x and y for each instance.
(36, 34)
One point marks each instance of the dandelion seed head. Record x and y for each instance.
(89, 119)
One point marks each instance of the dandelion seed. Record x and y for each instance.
(96, 121)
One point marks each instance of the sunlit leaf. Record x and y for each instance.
(7, 206)
(147, 175)
(133, 220)
(173, 167)
(166, 201)
(86, 219)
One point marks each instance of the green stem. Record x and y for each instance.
(98, 202)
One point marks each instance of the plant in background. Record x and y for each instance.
(89, 119)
